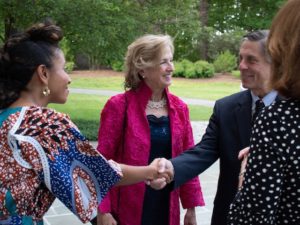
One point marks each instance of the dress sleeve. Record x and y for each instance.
(110, 136)
(258, 201)
(111, 123)
(71, 168)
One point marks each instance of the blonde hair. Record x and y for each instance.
(284, 48)
(144, 52)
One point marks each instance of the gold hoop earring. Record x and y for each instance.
(46, 91)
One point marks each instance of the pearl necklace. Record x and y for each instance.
(157, 105)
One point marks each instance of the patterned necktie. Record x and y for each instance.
(259, 105)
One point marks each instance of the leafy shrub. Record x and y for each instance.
(199, 69)
(204, 69)
(225, 62)
(190, 71)
(179, 69)
(182, 67)
(69, 67)
(118, 66)
(186, 63)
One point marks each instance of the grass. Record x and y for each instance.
(200, 113)
(105, 83)
(203, 90)
(189, 88)
(84, 109)
(236, 73)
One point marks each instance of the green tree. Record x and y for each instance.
(203, 14)
(102, 29)
(248, 15)
(18, 14)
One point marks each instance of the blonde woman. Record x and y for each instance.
(155, 123)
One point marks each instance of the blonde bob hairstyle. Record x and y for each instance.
(284, 48)
(144, 52)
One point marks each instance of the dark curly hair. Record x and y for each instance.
(21, 54)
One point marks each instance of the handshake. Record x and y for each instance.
(164, 173)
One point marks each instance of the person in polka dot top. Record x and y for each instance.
(271, 190)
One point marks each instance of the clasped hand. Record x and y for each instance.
(165, 173)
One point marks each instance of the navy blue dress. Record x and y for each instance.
(156, 202)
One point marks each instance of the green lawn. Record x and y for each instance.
(84, 109)
(203, 89)
(106, 83)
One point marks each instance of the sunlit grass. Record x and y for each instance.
(105, 83)
(84, 111)
(189, 88)
(204, 89)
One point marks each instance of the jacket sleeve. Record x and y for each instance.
(110, 135)
(193, 162)
(190, 192)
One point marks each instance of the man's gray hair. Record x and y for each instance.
(260, 36)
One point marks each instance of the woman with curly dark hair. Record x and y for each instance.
(43, 154)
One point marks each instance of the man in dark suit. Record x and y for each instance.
(229, 127)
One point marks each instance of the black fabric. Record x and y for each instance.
(270, 193)
(227, 133)
(156, 203)
(94, 221)
(259, 105)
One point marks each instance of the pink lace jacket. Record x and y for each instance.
(127, 202)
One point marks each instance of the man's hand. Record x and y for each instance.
(243, 155)
(244, 152)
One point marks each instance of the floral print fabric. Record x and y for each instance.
(43, 156)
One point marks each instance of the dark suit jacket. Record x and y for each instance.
(227, 133)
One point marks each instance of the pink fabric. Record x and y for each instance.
(128, 201)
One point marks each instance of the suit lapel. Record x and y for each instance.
(243, 117)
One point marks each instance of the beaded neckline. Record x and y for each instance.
(157, 105)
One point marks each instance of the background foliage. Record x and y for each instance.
(99, 31)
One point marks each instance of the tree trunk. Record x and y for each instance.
(9, 21)
(203, 12)
(9, 28)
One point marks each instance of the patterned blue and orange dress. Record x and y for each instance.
(43, 156)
